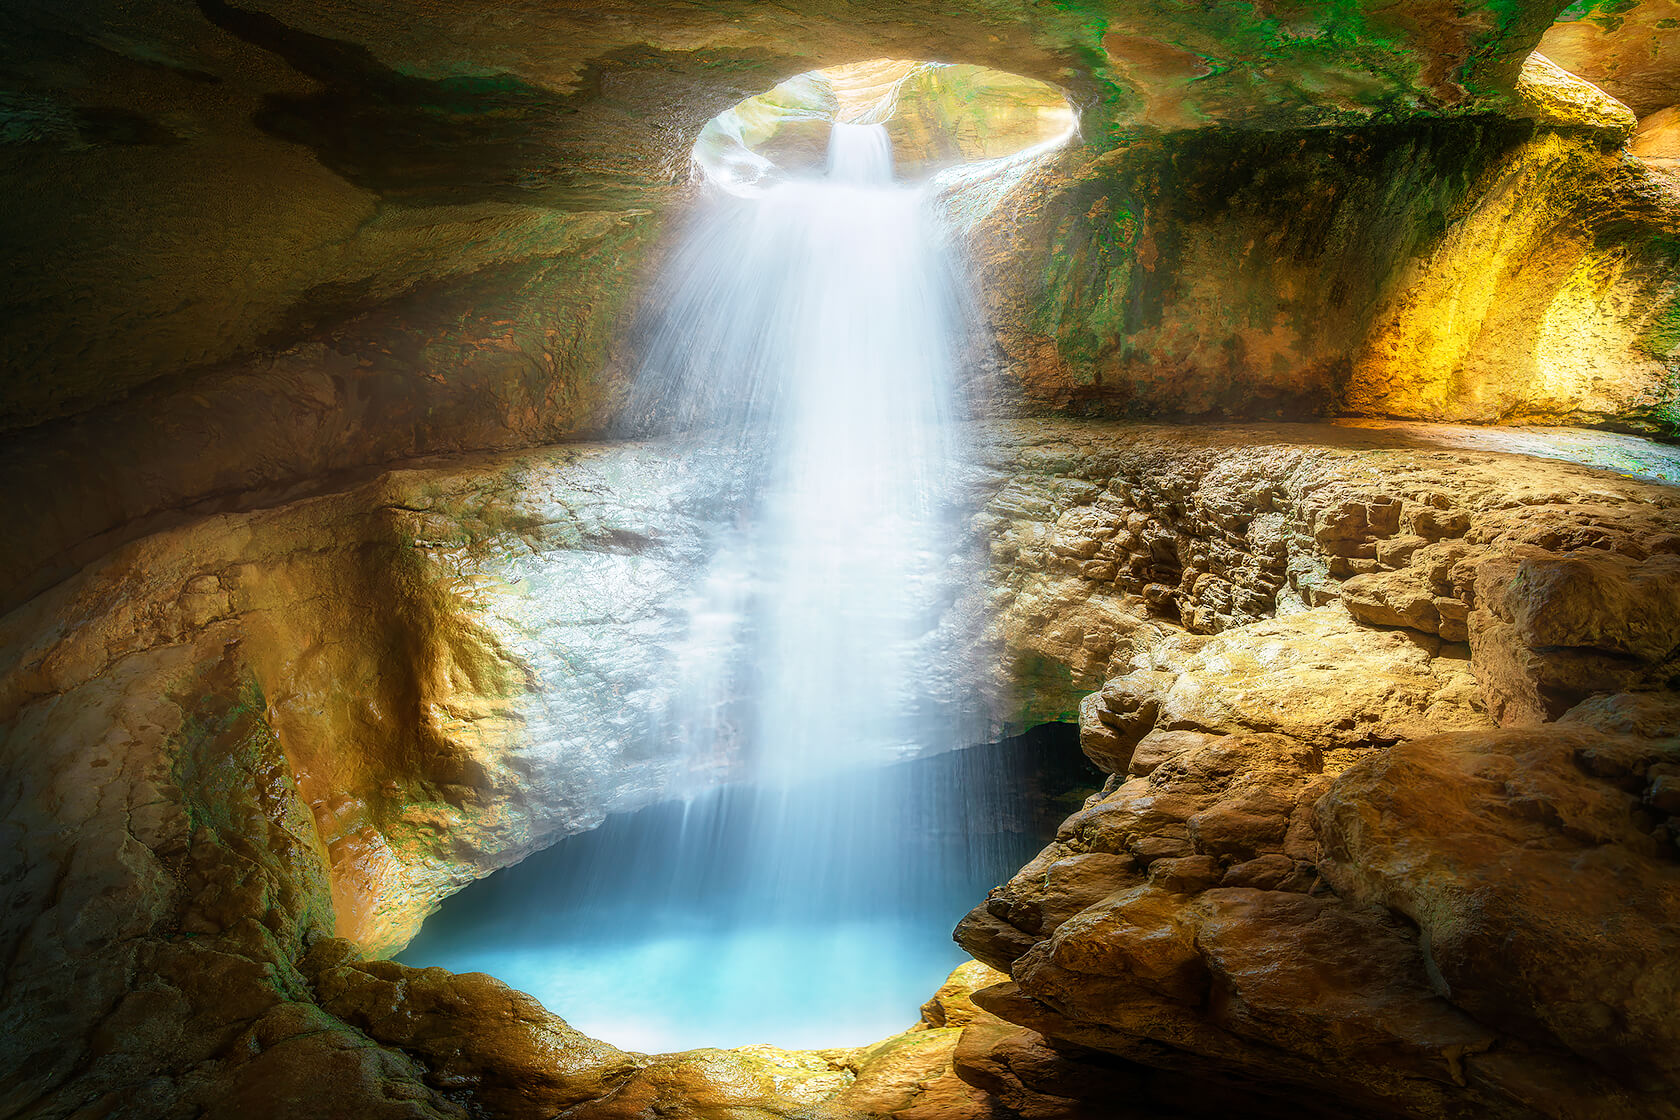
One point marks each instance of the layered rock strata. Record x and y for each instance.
(232, 739)
(1411, 852)
(254, 247)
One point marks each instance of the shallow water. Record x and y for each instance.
(671, 986)
(653, 933)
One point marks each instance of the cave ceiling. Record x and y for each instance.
(189, 183)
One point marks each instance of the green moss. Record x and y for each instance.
(1606, 13)
(1662, 338)
(237, 790)
(1312, 222)
(1045, 692)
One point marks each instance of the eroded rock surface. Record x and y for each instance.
(1485, 270)
(1345, 863)
(422, 141)
(253, 246)
(229, 740)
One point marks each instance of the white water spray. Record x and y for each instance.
(834, 363)
(812, 329)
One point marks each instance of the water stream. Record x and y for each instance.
(808, 901)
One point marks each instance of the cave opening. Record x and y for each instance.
(821, 827)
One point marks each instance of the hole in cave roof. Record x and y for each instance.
(938, 115)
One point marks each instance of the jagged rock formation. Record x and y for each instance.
(1320, 873)
(1484, 270)
(421, 145)
(308, 239)
(1390, 719)
(267, 726)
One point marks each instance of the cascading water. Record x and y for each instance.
(835, 360)
(810, 901)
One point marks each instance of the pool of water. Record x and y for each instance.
(666, 986)
(668, 929)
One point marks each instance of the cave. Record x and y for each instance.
(939, 561)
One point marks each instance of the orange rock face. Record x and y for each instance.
(1321, 874)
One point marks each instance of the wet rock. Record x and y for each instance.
(269, 724)
(471, 1032)
(1500, 898)
(1551, 95)
(953, 1004)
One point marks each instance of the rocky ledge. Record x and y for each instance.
(1391, 721)
(1410, 851)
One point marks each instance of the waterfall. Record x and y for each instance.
(840, 330)
(813, 329)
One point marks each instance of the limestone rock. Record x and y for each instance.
(1552, 96)
(470, 1031)
(1546, 887)
(1145, 281)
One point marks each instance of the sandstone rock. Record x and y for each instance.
(1587, 600)
(749, 1083)
(471, 1031)
(1469, 869)
(953, 1004)
(1549, 908)
(1654, 715)
(1160, 747)
(1629, 53)
(1271, 872)
(1552, 96)
(1658, 139)
(1402, 598)
(1021, 1071)
(1320, 678)
(1154, 332)
(217, 764)
(1217, 802)
(1550, 629)
(1186, 874)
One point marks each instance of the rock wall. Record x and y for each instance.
(1370, 696)
(1320, 874)
(252, 246)
(231, 739)
(1479, 270)
(186, 181)
(1626, 47)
